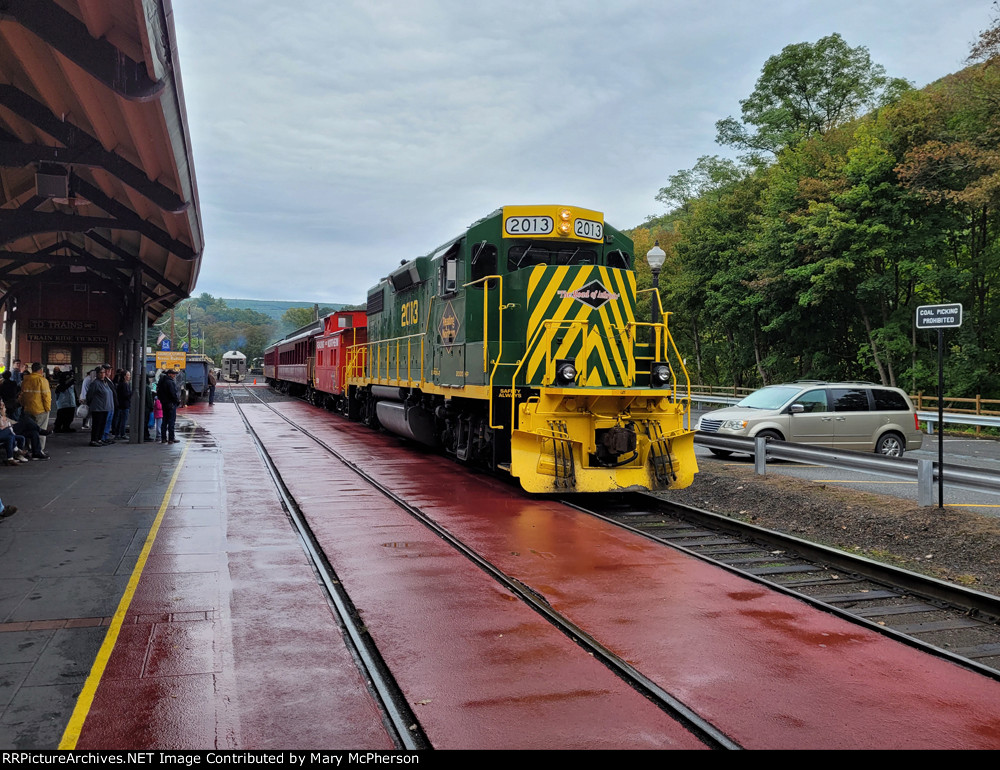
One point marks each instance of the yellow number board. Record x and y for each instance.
(569, 222)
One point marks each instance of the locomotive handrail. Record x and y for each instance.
(544, 325)
(669, 338)
(486, 319)
(663, 323)
(378, 357)
(497, 363)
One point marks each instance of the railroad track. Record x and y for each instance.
(398, 717)
(941, 618)
(944, 619)
(405, 725)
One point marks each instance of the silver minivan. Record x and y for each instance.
(840, 415)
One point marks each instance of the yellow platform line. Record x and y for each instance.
(86, 699)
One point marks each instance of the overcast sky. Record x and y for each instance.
(334, 138)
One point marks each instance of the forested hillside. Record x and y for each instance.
(217, 326)
(856, 199)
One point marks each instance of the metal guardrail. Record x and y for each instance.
(931, 418)
(924, 472)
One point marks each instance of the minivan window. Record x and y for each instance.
(768, 398)
(889, 401)
(849, 399)
(813, 401)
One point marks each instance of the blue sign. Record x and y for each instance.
(165, 345)
(184, 347)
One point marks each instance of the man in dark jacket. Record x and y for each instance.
(9, 390)
(166, 391)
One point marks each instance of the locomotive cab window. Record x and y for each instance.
(619, 259)
(522, 255)
(484, 260)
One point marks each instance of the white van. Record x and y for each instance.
(840, 415)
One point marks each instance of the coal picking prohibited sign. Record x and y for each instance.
(939, 316)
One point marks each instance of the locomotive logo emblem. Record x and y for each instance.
(593, 294)
(448, 328)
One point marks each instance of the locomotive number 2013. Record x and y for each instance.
(410, 313)
(587, 228)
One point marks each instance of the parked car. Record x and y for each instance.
(839, 415)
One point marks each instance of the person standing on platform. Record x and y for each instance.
(16, 374)
(84, 387)
(150, 397)
(157, 418)
(36, 398)
(65, 403)
(166, 392)
(113, 383)
(211, 386)
(100, 399)
(124, 389)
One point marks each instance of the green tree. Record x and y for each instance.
(297, 317)
(808, 89)
(710, 172)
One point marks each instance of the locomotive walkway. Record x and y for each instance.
(226, 640)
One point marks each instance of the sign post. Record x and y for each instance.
(940, 317)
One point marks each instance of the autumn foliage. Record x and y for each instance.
(809, 256)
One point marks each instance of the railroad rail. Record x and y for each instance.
(704, 730)
(399, 718)
(957, 623)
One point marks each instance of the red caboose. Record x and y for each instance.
(341, 331)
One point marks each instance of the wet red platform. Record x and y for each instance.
(770, 671)
(228, 642)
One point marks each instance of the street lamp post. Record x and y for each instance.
(656, 257)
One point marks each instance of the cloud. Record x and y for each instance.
(332, 140)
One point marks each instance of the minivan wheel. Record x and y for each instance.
(770, 435)
(720, 452)
(890, 445)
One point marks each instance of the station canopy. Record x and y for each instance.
(96, 171)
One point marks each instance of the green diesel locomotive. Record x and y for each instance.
(515, 347)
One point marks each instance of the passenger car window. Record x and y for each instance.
(813, 401)
(849, 399)
(889, 400)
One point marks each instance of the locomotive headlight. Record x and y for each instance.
(659, 374)
(564, 228)
(565, 215)
(565, 372)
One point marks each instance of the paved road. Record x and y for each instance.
(983, 453)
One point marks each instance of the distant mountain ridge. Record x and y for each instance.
(274, 308)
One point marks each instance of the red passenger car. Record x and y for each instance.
(288, 362)
(313, 361)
